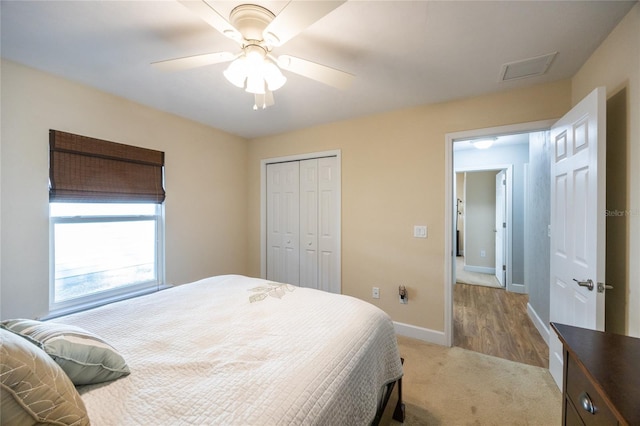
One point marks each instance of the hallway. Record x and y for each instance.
(468, 277)
(493, 321)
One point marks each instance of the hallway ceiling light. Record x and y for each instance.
(483, 143)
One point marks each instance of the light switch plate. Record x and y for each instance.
(420, 231)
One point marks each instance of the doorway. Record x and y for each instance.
(518, 220)
(484, 224)
(493, 319)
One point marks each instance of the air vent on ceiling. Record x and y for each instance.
(527, 67)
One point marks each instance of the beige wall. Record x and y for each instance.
(393, 177)
(206, 206)
(616, 65)
(480, 220)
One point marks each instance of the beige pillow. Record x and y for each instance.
(35, 390)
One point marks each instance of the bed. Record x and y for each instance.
(235, 350)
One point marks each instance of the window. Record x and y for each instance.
(106, 221)
(104, 251)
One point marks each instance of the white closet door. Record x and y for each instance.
(328, 225)
(303, 223)
(309, 223)
(283, 216)
(319, 210)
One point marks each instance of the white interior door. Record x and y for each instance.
(501, 225)
(577, 221)
(283, 217)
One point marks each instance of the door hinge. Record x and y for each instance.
(504, 267)
(504, 224)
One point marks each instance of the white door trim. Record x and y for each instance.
(501, 234)
(449, 218)
(263, 202)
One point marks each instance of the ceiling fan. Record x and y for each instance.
(258, 31)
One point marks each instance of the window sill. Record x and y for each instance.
(96, 303)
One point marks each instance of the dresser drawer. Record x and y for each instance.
(580, 390)
(571, 416)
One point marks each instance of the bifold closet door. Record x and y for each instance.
(306, 221)
(283, 222)
(319, 254)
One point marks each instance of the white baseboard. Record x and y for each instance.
(420, 333)
(480, 269)
(518, 288)
(538, 323)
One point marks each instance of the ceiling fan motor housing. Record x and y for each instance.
(251, 20)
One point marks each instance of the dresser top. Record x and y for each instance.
(612, 362)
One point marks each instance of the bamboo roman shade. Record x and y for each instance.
(83, 169)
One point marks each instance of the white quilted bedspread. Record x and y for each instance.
(203, 353)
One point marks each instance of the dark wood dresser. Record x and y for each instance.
(601, 377)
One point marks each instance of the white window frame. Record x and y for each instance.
(108, 296)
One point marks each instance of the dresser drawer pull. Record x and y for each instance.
(587, 404)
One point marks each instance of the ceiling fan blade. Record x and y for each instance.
(322, 73)
(194, 61)
(211, 16)
(295, 17)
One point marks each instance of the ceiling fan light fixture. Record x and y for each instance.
(236, 72)
(254, 72)
(258, 31)
(272, 75)
(255, 83)
(255, 55)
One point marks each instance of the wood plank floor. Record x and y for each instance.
(494, 321)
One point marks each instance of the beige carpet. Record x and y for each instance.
(454, 386)
(475, 278)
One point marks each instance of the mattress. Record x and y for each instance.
(234, 350)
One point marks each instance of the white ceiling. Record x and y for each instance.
(403, 53)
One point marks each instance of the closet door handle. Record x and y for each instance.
(588, 284)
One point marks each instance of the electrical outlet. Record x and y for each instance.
(483, 253)
(375, 293)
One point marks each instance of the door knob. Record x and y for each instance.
(588, 284)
